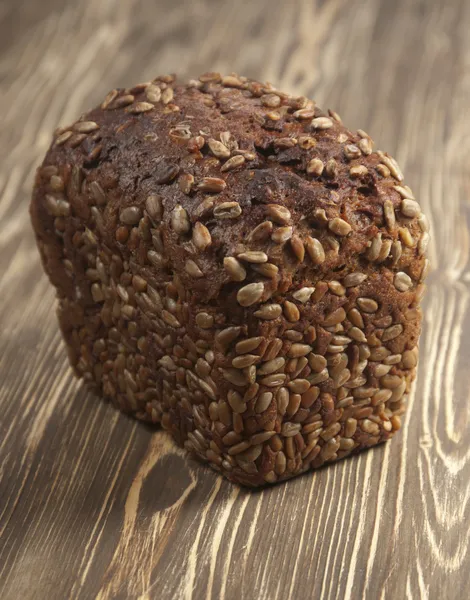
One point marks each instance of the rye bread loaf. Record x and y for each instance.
(235, 264)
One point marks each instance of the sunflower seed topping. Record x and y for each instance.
(303, 295)
(322, 123)
(315, 250)
(227, 210)
(234, 268)
(218, 149)
(180, 220)
(402, 282)
(250, 294)
(315, 167)
(410, 208)
(339, 226)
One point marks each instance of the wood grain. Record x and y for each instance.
(94, 505)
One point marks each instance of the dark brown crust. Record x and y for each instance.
(151, 331)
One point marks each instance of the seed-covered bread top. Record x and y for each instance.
(250, 192)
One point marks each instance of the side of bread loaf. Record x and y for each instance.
(235, 264)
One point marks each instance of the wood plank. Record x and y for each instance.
(94, 505)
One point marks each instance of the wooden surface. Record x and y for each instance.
(95, 505)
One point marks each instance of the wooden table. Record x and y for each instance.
(95, 505)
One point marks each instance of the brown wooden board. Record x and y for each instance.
(95, 505)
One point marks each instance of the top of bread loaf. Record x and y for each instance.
(246, 188)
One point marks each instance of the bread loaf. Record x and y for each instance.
(235, 264)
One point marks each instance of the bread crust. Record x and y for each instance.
(235, 264)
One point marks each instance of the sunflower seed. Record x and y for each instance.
(423, 222)
(351, 151)
(253, 257)
(336, 288)
(123, 101)
(354, 279)
(204, 320)
(369, 427)
(330, 431)
(339, 226)
(236, 402)
(336, 316)
(358, 171)
(167, 95)
(357, 335)
(373, 252)
(392, 165)
(233, 163)
(250, 294)
(232, 81)
(273, 380)
(238, 448)
(425, 271)
(211, 184)
(279, 214)
(218, 149)
(270, 100)
(248, 345)
(153, 93)
(259, 438)
(180, 220)
(404, 192)
(321, 123)
(234, 268)
(192, 269)
(317, 362)
(227, 210)
(303, 295)
(113, 94)
(170, 319)
(269, 312)
(154, 207)
(319, 377)
(226, 336)
(356, 318)
(261, 232)
(297, 350)
(85, 126)
(423, 243)
(384, 250)
(402, 282)
(57, 207)
(234, 376)
(315, 167)
(245, 360)
(396, 252)
(285, 143)
(266, 269)
(392, 332)
(299, 386)
(304, 114)
(140, 107)
(290, 429)
(391, 381)
(130, 215)
(331, 168)
(409, 359)
(365, 144)
(201, 236)
(281, 235)
(389, 214)
(291, 311)
(297, 248)
(271, 366)
(315, 250)
(410, 208)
